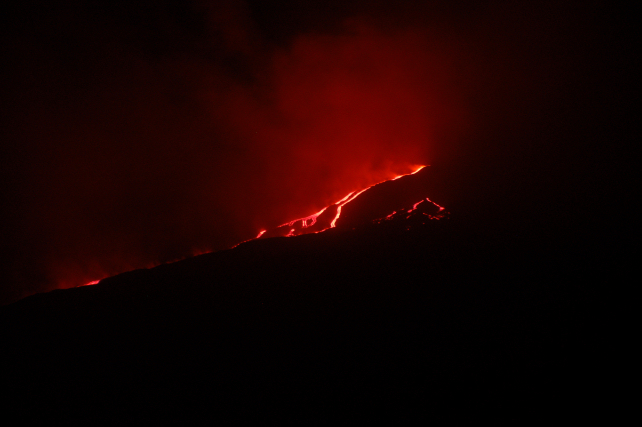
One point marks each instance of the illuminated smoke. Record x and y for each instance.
(144, 159)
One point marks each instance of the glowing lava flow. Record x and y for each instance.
(308, 221)
(93, 282)
(347, 199)
(327, 217)
(441, 208)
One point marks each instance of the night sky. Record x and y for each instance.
(139, 133)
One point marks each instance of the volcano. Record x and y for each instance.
(380, 305)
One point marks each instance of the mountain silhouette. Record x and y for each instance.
(397, 311)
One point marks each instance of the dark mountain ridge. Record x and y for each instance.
(370, 319)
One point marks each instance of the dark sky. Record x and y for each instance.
(142, 132)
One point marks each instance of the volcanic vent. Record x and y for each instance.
(401, 201)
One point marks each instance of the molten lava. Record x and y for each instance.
(329, 217)
(93, 282)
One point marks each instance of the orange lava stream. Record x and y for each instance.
(343, 201)
(93, 282)
(308, 221)
(441, 208)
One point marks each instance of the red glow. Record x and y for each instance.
(93, 282)
(314, 119)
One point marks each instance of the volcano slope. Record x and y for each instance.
(371, 319)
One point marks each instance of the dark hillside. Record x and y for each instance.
(376, 321)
